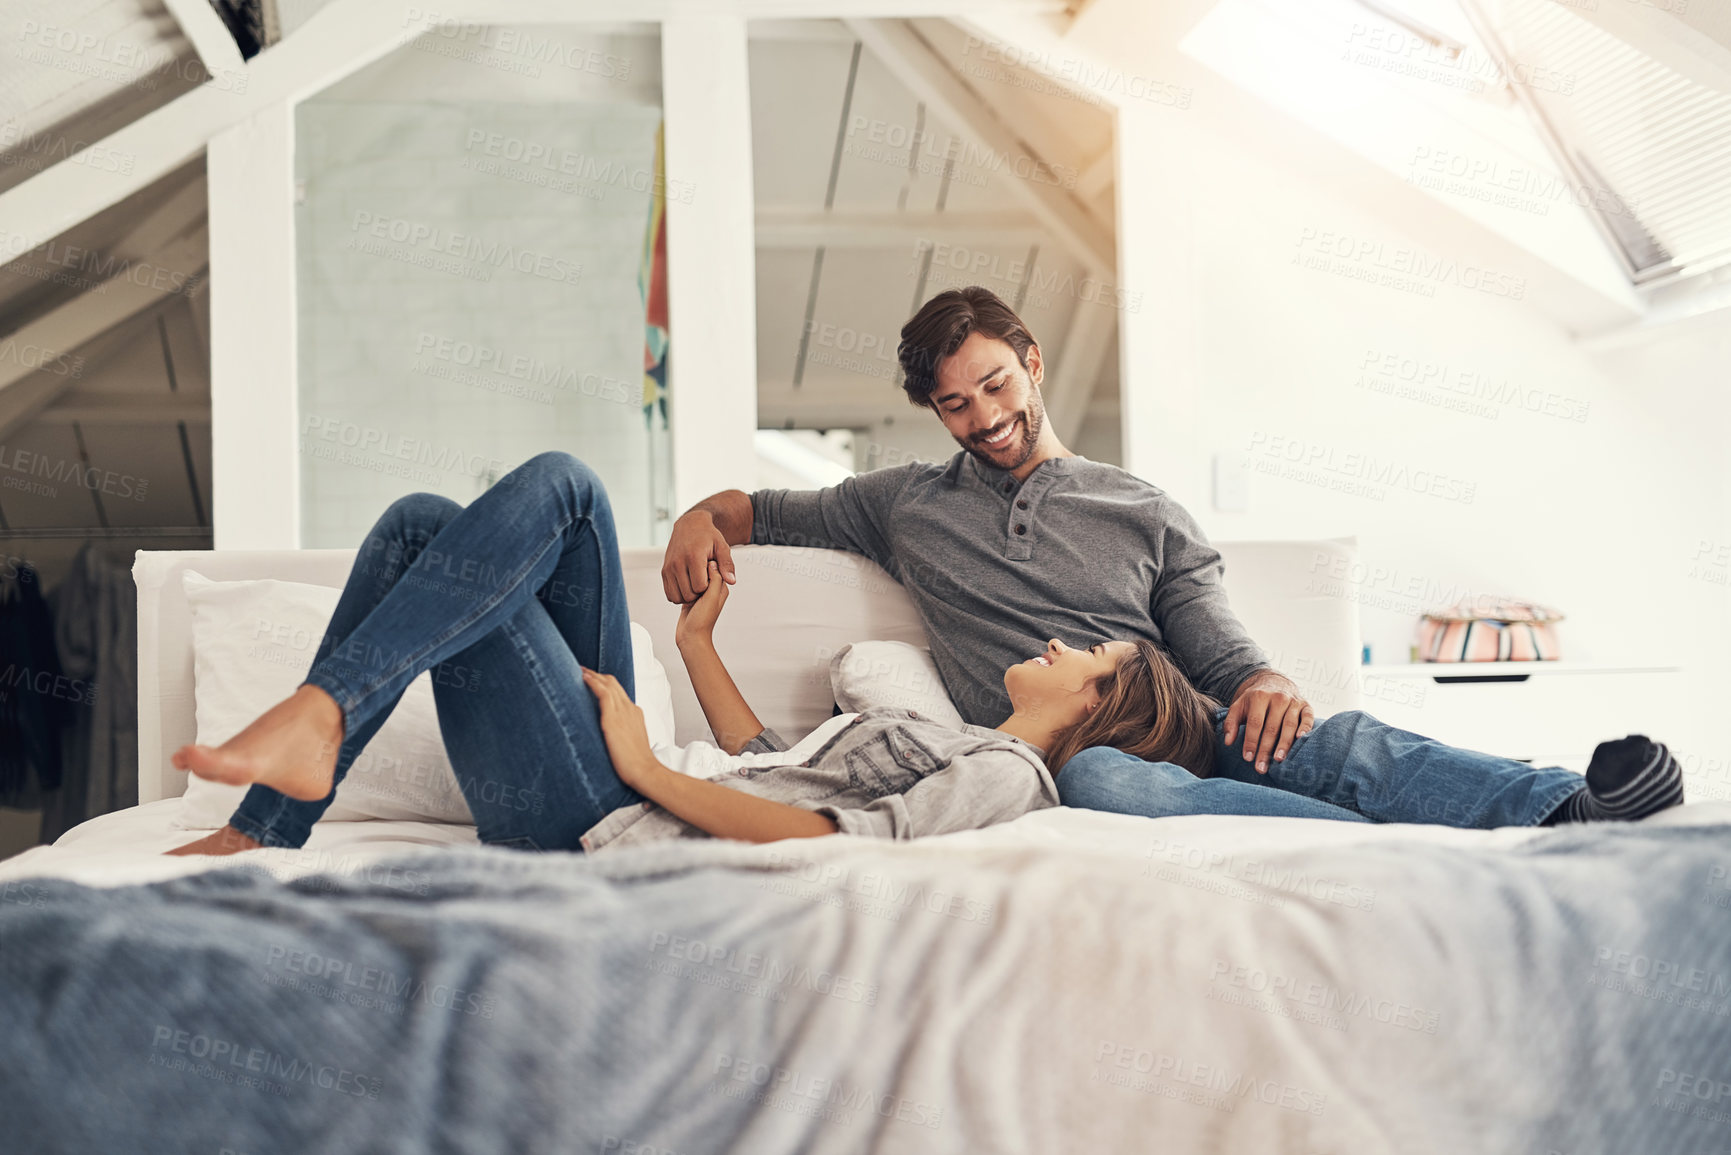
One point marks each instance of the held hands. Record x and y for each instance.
(623, 728)
(697, 619)
(1273, 714)
(695, 551)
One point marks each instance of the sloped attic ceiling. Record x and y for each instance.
(73, 71)
(893, 160)
(104, 374)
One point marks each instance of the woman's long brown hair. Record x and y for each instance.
(1149, 709)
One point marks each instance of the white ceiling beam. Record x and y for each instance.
(337, 41)
(166, 221)
(793, 228)
(801, 31)
(907, 55)
(63, 330)
(207, 34)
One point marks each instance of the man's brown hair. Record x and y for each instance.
(940, 327)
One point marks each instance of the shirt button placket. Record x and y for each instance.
(1020, 546)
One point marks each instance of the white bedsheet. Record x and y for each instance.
(127, 847)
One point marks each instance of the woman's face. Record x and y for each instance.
(1059, 681)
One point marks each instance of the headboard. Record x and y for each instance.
(789, 613)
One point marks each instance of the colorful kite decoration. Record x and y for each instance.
(652, 285)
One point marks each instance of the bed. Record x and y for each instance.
(1070, 981)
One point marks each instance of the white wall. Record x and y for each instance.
(1599, 517)
(425, 362)
(1679, 548)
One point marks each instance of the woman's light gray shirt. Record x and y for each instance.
(889, 773)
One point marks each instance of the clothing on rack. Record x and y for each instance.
(34, 693)
(96, 629)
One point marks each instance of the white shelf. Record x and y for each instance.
(1448, 672)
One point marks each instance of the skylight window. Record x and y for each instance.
(1649, 148)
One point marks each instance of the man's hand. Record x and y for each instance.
(623, 727)
(1273, 714)
(694, 543)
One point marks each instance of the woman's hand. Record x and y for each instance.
(623, 727)
(697, 619)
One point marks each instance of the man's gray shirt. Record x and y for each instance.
(1081, 551)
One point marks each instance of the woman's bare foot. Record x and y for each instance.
(228, 840)
(291, 747)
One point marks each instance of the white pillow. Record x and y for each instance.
(867, 674)
(253, 642)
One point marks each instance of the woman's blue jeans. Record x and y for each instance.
(506, 597)
(1350, 767)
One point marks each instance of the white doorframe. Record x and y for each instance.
(711, 254)
(254, 383)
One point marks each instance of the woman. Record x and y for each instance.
(524, 586)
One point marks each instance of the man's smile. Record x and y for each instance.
(1003, 438)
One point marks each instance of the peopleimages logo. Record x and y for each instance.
(1324, 996)
(768, 968)
(1399, 266)
(38, 152)
(977, 265)
(1658, 973)
(1231, 1087)
(345, 979)
(1167, 854)
(795, 1090)
(35, 465)
(528, 47)
(1305, 460)
(443, 242)
(40, 359)
(1385, 372)
(523, 367)
(227, 1061)
(834, 884)
(583, 168)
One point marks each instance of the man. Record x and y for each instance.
(1012, 539)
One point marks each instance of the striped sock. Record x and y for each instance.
(1627, 779)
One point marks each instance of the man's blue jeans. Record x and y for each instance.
(1350, 767)
(514, 592)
